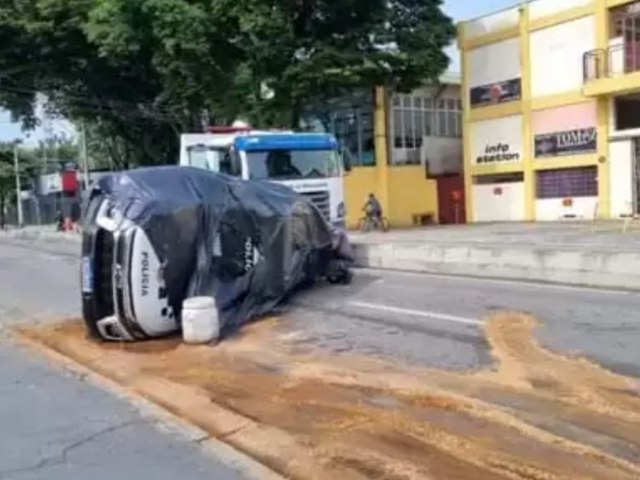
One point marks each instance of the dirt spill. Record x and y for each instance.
(536, 416)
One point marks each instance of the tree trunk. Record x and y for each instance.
(295, 115)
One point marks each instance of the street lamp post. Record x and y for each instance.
(16, 166)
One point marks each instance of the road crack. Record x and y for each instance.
(62, 457)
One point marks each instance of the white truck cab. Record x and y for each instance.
(309, 163)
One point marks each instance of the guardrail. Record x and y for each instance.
(618, 59)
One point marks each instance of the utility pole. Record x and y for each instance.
(48, 131)
(85, 159)
(16, 166)
(45, 158)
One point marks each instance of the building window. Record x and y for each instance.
(351, 121)
(626, 112)
(567, 182)
(499, 178)
(354, 130)
(414, 117)
(622, 18)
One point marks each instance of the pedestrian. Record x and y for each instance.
(59, 221)
(373, 210)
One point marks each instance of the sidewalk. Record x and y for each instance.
(568, 253)
(573, 253)
(60, 426)
(41, 232)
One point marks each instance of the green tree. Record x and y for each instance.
(309, 51)
(139, 72)
(56, 149)
(6, 188)
(28, 170)
(61, 59)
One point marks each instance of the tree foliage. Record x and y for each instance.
(27, 168)
(138, 72)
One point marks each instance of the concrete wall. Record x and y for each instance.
(498, 202)
(521, 262)
(494, 63)
(621, 177)
(559, 119)
(544, 8)
(358, 183)
(492, 23)
(551, 209)
(503, 133)
(557, 56)
(412, 194)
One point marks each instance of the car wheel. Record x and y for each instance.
(348, 278)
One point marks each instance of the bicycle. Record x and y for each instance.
(367, 224)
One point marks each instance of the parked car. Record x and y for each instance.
(157, 236)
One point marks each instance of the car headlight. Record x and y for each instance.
(109, 216)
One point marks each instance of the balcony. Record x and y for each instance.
(612, 71)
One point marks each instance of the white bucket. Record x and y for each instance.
(200, 323)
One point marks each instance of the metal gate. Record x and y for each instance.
(451, 206)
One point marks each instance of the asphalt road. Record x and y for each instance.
(436, 320)
(427, 320)
(56, 426)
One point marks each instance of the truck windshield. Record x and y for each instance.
(292, 164)
(215, 159)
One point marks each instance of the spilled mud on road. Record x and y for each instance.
(535, 415)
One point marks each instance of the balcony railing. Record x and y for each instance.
(618, 59)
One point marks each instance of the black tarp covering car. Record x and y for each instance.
(154, 237)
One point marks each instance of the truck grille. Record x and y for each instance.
(103, 274)
(321, 201)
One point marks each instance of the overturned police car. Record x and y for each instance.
(154, 237)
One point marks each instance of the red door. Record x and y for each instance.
(451, 200)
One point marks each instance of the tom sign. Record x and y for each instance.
(570, 142)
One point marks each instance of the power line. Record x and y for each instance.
(30, 90)
(96, 105)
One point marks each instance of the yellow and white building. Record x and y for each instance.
(551, 125)
(406, 148)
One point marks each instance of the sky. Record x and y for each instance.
(457, 9)
(461, 10)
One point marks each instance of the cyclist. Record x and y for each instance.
(373, 210)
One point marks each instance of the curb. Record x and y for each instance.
(165, 420)
(42, 235)
(595, 269)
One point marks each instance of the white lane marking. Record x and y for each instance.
(504, 281)
(416, 313)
